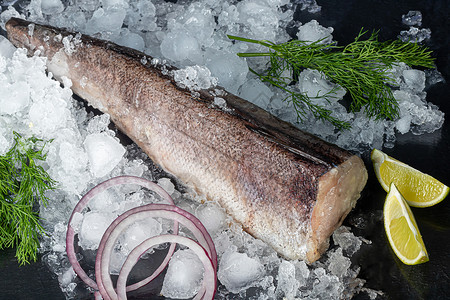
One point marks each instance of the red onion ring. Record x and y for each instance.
(209, 282)
(122, 222)
(138, 213)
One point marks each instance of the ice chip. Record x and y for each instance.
(238, 272)
(414, 79)
(167, 185)
(195, 78)
(131, 40)
(230, 70)
(6, 48)
(315, 85)
(184, 275)
(403, 124)
(50, 7)
(14, 97)
(346, 240)
(139, 232)
(415, 35)
(212, 217)
(338, 263)
(413, 17)
(287, 283)
(313, 31)
(256, 92)
(180, 46)
(104, 153)
(93, 227)
(108, 20)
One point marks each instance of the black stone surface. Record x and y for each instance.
(428, 153)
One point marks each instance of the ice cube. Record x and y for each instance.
(181, 46)
(195, 78)
(212, 217)
(414, 79)
(50, 7)
(184, 275)
(131, 40)
(403, 124)
(238, 272)
(230, 70)
(415, 35)
(287, 283)
(14, 97)
(140, 231)
(255, 91)
(346, 240)
(167, 185)
(413, 17)
(315, 85)
(313, 31)
(104, 153)
(326, 286)
(108, 20)
(6, 48)
(338, 263)
(93, 227)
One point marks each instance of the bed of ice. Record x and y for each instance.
(192, 36)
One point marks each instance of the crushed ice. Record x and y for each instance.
(191, 36)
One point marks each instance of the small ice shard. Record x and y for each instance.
(93, 227)
(195, 78)
(315, 85)
(412, 18)
(6, 48)
(180, 46)
(287, 283)
(238, 272)
(346, 240)
(130, 40)
(212, 217)
(415, 35)
(256, 92)
(184, 275)
(338, 263)
(403, 124)
(50, 7)
(167, 185)
(14, 97)
(104, 153)
(139, 232)
(313, 31)
(230, 70)
(414, 79)
(108, 20)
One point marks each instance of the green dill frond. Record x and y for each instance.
(361, 68)
(23, 183)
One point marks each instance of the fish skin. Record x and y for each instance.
(284, 186)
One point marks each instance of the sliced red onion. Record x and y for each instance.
(204, 247)
(70, 235)
(209, 278)
(138, 213)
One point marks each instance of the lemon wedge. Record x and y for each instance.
(401, 229)
(419, 189)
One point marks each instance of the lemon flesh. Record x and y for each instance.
(419, 189)
(401, 229)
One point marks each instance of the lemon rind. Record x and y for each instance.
(412, 224)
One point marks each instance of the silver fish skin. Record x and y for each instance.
(284, 186)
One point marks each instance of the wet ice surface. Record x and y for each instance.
(191, 36)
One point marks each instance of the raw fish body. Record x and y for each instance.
(286, 187)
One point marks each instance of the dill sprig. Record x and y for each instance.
(23, 184)
(362, 68)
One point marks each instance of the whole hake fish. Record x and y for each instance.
(284, 186)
